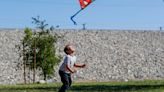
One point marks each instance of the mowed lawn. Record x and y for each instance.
(130, 86)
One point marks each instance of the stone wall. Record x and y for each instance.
(110, 55)
(10, 71)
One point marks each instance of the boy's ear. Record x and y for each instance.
(67, 51)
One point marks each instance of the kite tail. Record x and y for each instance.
(74, 16)
(74, 22)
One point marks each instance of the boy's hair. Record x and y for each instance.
(67, 48)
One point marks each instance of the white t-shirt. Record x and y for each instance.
(68, 60)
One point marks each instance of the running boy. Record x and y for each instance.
(67, 67)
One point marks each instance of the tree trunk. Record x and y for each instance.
(24, 63)
(45, 75)
(34, 65)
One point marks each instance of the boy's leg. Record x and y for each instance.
(65, 81)
(70, 80)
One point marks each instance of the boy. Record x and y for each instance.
(67, 67)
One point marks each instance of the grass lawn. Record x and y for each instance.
(130, 86)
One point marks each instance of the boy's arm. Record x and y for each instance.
(80, 65)
(70, 69)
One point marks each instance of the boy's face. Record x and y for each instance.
(71, 50)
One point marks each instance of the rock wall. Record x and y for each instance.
(10, 71)
(110, 55)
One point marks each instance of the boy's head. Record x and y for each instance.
(69, 49)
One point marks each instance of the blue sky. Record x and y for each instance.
(102, 14)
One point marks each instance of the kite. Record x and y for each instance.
(83, 4)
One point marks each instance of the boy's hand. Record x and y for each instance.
(74, 70)
(83, 66)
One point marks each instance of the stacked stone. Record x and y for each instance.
(110, 55)
(10, 66)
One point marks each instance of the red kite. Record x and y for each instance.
(84, 3)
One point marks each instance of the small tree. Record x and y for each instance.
(40, 47)
(46, 57)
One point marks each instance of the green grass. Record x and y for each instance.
(130, 86)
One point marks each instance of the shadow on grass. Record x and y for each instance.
(116, 88)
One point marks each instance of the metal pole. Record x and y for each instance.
(84, 28)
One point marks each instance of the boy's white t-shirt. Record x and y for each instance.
(68, 60)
